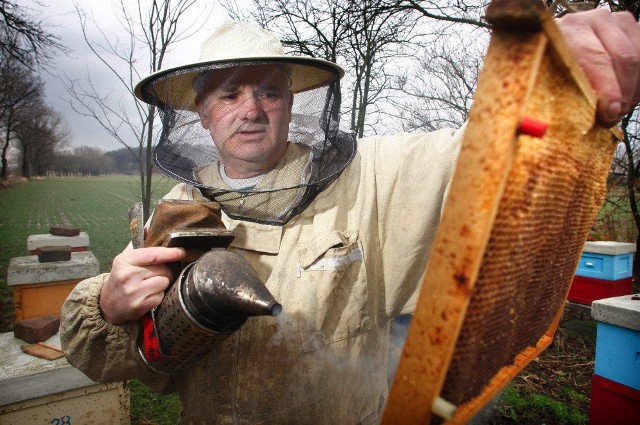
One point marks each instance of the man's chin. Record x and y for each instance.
(249, 165)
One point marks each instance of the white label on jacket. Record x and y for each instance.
(335, 263)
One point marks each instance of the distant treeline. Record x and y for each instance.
(88, 161)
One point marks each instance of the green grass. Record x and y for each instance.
(98, 206)
(531, 407)
(148, 407)
(615, 221)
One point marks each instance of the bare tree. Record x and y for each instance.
(150, 31)
(18, 87)
(378, 39)
(447, 11)
(90, 161)
(438, 91)
(23, 37)
(623, 198)
(41, 132)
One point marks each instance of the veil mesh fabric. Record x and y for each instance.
(318, 150)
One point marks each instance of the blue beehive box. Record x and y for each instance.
(606, 260)
(618, 339)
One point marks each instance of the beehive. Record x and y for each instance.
(39, 289)
(39, 391)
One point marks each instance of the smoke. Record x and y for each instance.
(285, 331)
(344, 369)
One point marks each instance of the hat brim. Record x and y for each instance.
(174, 87)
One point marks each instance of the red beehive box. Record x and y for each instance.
(585, 290)
(613, 403)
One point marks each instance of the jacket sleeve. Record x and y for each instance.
(413, 172)
(104, 352)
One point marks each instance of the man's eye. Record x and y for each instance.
(229, 96)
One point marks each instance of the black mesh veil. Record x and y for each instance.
(318, 151)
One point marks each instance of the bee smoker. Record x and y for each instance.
(212, 297)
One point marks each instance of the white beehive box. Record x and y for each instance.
(39, 391)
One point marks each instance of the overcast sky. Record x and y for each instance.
(63, 22)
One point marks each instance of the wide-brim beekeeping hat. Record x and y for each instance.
(233, 44)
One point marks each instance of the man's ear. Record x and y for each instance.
(204, 118)
(290, 104)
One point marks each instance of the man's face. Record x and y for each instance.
(247, 111)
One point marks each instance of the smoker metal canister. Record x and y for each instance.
(210, 300)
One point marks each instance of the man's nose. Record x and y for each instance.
(252, 108)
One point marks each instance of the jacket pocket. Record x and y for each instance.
(332, 273)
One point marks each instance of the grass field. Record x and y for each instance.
(97, 205)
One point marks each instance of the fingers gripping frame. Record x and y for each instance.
(519, 211)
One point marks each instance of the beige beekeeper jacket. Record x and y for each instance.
(342, 270)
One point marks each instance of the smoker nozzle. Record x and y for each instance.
(221, 290)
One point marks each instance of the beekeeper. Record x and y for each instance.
(338, 231)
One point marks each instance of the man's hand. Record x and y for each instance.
(607, 46)
(137, 282)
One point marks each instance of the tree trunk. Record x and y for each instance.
(5, 164)
(5, 149)
(146, 199)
